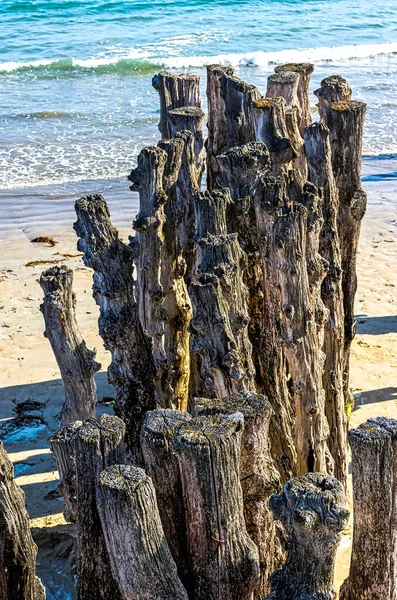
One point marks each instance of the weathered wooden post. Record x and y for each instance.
(175, 91)
(99, 443)
(318, 153)
(259, 478)
(373, 565)
(238, 97)
(17, 549)
(75, 361)
(333, 89)
(313, 511)
(223, 559)
(304, 71)
(132, 368)
(190, 118)
(139, 554)
(62, 445)
(161, 464)
(345, 121)
(285, 84)
(217, 124)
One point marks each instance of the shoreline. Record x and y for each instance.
(29, 371)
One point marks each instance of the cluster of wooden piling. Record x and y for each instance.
(229, 319)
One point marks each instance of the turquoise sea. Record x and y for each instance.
(76, 102)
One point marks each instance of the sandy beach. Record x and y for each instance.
(30, 383)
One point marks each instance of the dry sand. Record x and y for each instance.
(28, 370)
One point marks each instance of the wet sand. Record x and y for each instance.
(28, 371)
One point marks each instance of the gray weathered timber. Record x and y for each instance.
(211, 213)
(175, 91)
(75, 361)
(223, 559)
(238, 97)
(373, 565)
(220, 347)
(161, 464)
(258, 476)
(190, 118)
(304, 71)
(216, 142)
(318, 152)
(17, 549)
(313, 511)
(291, 120)
(270, 126)
(285, 84)
(139, 555)
(132, 370)
(345, 121)
(333, 89)
(99, 443)
(62, 445)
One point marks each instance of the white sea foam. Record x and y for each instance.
(15, 65)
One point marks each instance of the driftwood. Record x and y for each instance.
(318, 153)
(132, 369)
(304, 71)
(222, 558)
(313, 511)
(259, 478)
(374, 552)
(17, 549)
(345, 121)
(75, 361)
(99, 443)
(161, 464)
(62, 445)
(217, 124)
(175, 91)
(139, 554)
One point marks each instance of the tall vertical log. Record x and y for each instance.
(285, 84)
(222, 558)
(99, 443)
(373, 566)
(175, 91)
(345, 121)
(291, 120)
(132, 369)
(259, 478)
(304, 71)
(333, 89)
(17, 549)
(217, 124)
(318, 152)
(139, 554)
(271, 129)
(313, 511)
(75, 361)
(238, 97)
(62, 445)
(161, 464)
(190, 118)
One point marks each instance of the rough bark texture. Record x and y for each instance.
(259, 478)
(62, 445)
(305, 71)
(313, 511)
(75, 361)
(291, 121)
(271, 128)
(278, 221)
(161, 464)
(222, 558)
(238, 97)
(99, 443)
(333, 89)
(285, 84)
(139, 555)
(132, 369)
(175, 91)
(318, 152)
(373, 566)
(190, 118)
(17, 549)
(345, 121)
(217, 123)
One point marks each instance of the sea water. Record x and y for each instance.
(76, 101)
